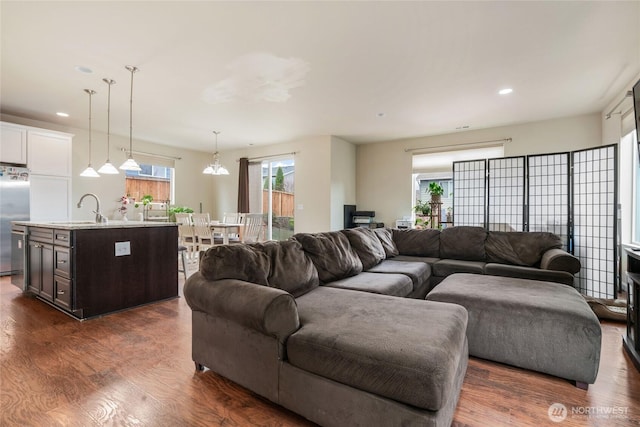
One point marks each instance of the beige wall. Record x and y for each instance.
(383, 172)
(312, 180)
(343, 180)
(191, 187)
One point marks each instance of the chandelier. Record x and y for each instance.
(215, 168)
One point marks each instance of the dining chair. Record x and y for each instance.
(187, 238)
(202, 230)
(233, 218)
(183, 218)
(181, 250)
(253, 227)
(186, 233)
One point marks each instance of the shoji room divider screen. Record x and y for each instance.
(573, 195)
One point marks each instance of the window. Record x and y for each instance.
(153, 171)
(154, 180)
(422, 193)
(438, 167)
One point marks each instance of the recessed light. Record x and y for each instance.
(505, 91)
(83, 69)
(61, 114)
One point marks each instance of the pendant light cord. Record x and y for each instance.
(90, 96)
(108, 82)
(133, 70)
(91, 92)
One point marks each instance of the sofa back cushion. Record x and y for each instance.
(331, 253)
(519, 248)
(242, 262)
(367, 245)
(290, 268)
(385, 235)
(424, 243)
(463, 243)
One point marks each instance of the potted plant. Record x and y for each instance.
(146, 199)
(436, 192)
(423, 213)
(178, 209)
(422, 208)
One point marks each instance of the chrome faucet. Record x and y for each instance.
(100, 219)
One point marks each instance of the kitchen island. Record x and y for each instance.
(88, 269)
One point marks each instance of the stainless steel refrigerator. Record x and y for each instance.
(14, 206)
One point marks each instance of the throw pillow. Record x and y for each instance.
(367, 246)
(240, 262)
(386, 239)
(291, 270)
(519, 248)
(332, 255)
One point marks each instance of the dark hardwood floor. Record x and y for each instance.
(135, 368)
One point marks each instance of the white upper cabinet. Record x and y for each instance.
(49, 153)
(13, 144)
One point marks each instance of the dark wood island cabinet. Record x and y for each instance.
(88, 269)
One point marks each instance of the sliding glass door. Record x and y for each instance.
(272, 194)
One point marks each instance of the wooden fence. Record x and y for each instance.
(136, 188)
(282, 203)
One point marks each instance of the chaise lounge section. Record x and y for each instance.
(336, 356)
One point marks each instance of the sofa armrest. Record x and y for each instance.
(557, 259)
(269, 311)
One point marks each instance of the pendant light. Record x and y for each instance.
(90, 172)
(130, 164)
(216, 168)
(108, 168)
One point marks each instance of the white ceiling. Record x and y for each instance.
(267, 72)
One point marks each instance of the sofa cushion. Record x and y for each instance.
(398, 285)
(464, 243)
(331, 253)
(385, 236)
(367, 245)
(290, 268)
(403, 349)
(418, 272)
(241, 262)
(445, 267)
(519, 248)
(417, 242)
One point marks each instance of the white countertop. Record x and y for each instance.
(85, 225)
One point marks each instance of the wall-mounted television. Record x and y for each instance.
(636, 112)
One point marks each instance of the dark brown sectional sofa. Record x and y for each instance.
(315, 324)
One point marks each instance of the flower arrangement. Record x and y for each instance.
(124, 201)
